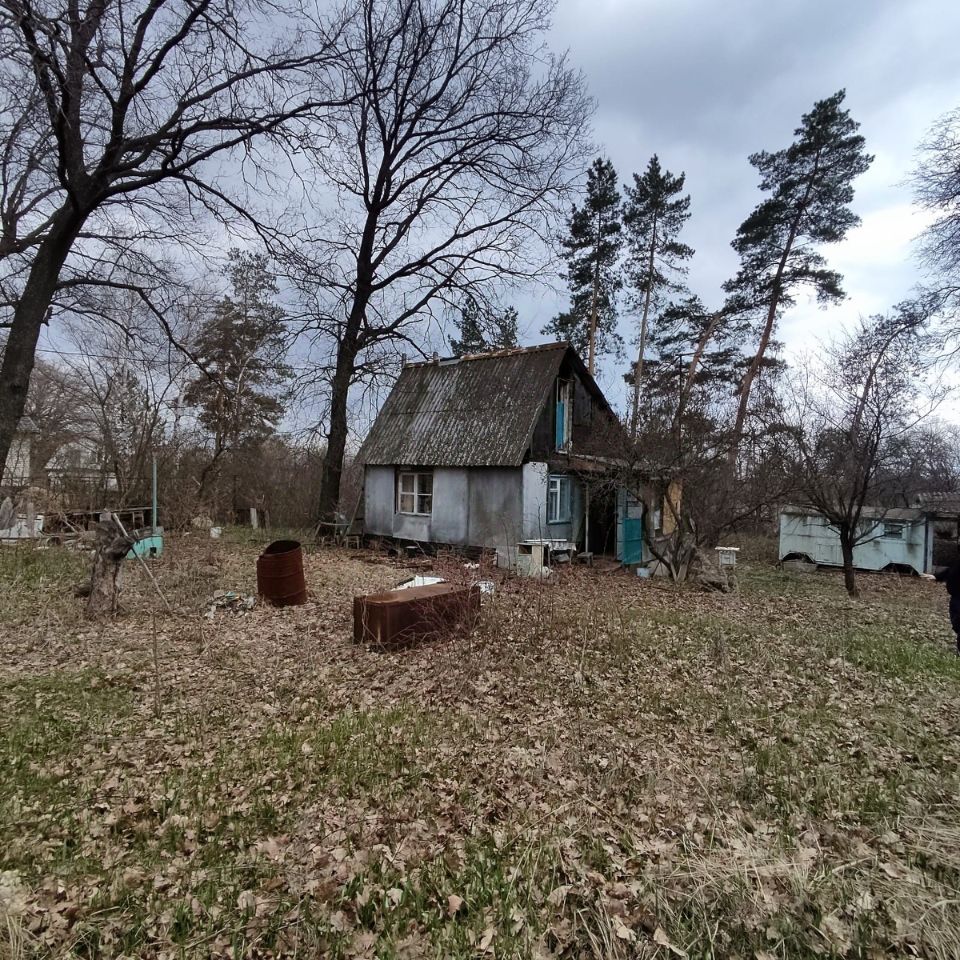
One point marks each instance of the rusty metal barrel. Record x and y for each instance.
(280, 574)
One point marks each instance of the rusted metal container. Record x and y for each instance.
(401, 617)
(280, 574)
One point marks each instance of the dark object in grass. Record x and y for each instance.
(401, 617)
(280, 574)
(950, 578)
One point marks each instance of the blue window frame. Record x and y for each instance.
(564, 408)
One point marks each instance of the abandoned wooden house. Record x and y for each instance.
(501, 449)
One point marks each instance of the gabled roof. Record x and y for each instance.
(941, 504)
(473, 411)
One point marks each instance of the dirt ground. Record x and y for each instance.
(604, 767)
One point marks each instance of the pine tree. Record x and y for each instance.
(592, 251)
(811, 188)
(698, 341)
(483, 329)
(653, 216)
(241, 347)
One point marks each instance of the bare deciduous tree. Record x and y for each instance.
(845, 421)
(110, 115)
(459, 142)
(936, 182)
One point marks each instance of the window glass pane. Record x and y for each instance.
(406, 502)
(555, 500)
(426, 482)
(424, 503)
(407, 481)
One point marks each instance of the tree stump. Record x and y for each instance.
(111, 548)
(709, 575)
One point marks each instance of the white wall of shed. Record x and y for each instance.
(16, 470)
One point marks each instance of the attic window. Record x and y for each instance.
(415, 493)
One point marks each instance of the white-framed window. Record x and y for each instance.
(415, 492)
(558, 499)
(892, 530)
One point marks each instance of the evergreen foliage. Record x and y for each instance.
(592, 252)
(241, 347)
(654, 214)
(810, 187)
(482, 329)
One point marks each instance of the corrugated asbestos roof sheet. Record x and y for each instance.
(476, 411)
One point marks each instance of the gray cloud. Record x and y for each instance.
(705, 84)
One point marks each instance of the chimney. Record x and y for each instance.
(436, 357)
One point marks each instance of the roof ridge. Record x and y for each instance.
(496, 354)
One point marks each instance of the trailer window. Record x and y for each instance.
(893, 531)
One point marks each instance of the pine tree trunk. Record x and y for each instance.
(111, 549)
(638, 371)
(29, 315)
(592, 353)
(695, 361)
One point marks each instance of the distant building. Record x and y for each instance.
(495, 449)
(16, 470)
(79, 465)
(944, 512)
(894, 539)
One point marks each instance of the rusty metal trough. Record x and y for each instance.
(401, 617)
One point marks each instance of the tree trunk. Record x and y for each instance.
(697, 357)
(29, 316)
(332, 471)
(111, 548)
(776, 294)
(849, 572)
(746, 385)
(592, 351)
(638, 370)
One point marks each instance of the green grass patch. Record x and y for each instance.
(36, 582)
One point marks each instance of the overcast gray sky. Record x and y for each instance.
(705, 84)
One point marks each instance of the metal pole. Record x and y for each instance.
(153, 517)
(143, 563)
(586, 519)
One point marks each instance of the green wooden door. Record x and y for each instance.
(632, 540)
